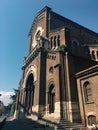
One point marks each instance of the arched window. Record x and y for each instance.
(51, 98)
(75, 47)
(93, 55)
(91, 119)
(51, 69)
(58, 40)
(29, 97)
(87, 92)
(55, 42)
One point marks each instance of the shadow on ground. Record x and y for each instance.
(25, 124)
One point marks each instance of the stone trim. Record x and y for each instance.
(87, 71)
(32, 69)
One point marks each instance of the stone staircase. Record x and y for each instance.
(62, 124)
(66, 125)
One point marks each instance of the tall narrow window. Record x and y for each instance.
(55, 42)
(87, 92)
(75, 47)
(51, 99)
(93, 55)
(58, 40)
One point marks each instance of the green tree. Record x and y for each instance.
(13, 102)
(2, 109)
(62, 48)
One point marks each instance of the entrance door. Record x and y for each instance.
(29, 99)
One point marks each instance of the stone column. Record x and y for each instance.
(52, 42)
(21, 108)
(28, 102)
(47, 103)
(56, 39)
(35, 106)
(17, 100)
(32, 98)
(68, 94)
(57, 91)
(22, 98)
(24, 95)
(95, 55)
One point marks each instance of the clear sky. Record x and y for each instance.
(16, 17)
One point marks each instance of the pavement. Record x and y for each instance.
(24, 124)
(2, 118)
(2, 121)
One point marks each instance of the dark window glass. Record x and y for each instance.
(87, 92)
(91, 119)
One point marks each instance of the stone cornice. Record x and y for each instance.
(31, 56)
(88, 71)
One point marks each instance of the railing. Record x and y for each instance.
(32, 55)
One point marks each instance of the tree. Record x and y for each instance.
(13, 102)
(13, 98)
(2, 110)
(62, 48)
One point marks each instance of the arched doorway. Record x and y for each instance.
(29, 98)
(51, 98)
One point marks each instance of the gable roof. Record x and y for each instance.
(70, 22)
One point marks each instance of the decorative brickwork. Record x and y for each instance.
(62, 59)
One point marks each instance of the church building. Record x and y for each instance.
(60, 72)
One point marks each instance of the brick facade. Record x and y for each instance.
(59, 51)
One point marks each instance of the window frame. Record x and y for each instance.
(87, 92)
(91, 120)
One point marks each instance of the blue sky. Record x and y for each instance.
(16, 17)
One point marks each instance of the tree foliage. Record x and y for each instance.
(2, 110)
(62, 48)
(11, 106)
(13, 103)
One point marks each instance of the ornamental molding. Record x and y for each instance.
(88, 71)
(31, 70)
